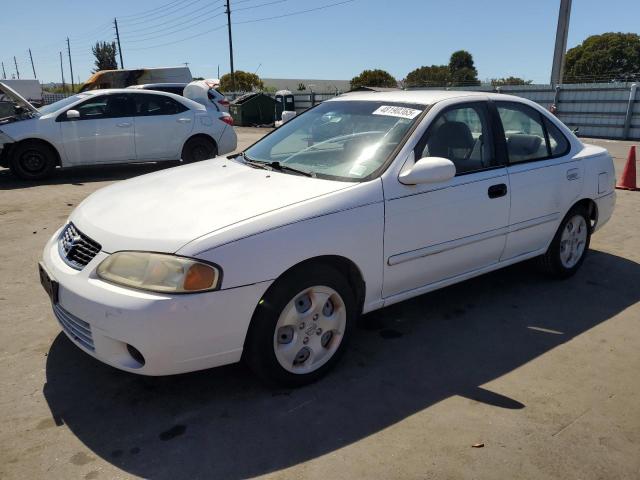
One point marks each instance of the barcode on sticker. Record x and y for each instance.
(400, 112)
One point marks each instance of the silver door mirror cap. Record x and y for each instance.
(73, 114)
(428, 170)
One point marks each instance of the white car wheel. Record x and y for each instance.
(573, 241)
(310, 329)
(301, 326)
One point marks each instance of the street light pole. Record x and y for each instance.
(562, 32)
(233, 78)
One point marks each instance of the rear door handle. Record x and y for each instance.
(124, 124)
(184, 120)
(499, 190)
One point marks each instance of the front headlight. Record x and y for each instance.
(159, 272)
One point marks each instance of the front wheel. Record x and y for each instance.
(569, 246)
(301, 326)
(32, 160)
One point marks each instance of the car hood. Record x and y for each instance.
(165, 210)
(12, 95)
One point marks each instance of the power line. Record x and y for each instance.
(153, 10)
(173, 19)
(160, 15)
(220, 27)
(299, 12)
(260, 5)
(164, 33)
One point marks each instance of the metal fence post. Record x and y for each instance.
(629, 114)
(312, 97)
(556, 96)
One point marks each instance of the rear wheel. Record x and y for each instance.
(32, 160)
(301, 327)
(569, 246)
(198, 148)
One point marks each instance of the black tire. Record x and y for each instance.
(259, 352)
(197, 149)
(32, 160)
(551, 262)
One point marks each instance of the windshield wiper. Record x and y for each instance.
(274, 166)
(284, 168)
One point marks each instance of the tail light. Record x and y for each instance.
(228, 119)
(224, 102)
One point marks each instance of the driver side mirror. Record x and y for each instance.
(71, 114)
(429, 170)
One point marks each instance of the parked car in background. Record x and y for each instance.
(366, 200)
(204, 92)
(110, 126)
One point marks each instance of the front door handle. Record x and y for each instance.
(124, 124)
(499, 190)
(184, 120)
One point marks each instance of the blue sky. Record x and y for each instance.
(505, 37)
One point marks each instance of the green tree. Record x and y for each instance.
(301, 87)
(374, 78)
(609, 56)
(433, 76)
(105, 53)
(462, 71)
(244, 82)
(499, 82)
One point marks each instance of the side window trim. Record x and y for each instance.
(483, 104)
(63, 116)
(543, 122)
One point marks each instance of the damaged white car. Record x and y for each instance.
(106, 127)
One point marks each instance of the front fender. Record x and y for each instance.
(355, 233)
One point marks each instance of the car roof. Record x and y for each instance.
(422, 97)
(140, 91)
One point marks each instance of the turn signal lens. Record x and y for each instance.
(199, 277)
(157, 272)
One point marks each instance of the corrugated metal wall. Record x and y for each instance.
(601, 110)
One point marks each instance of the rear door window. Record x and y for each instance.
(528, 135)
(152, 105)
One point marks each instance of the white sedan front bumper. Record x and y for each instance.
(174, 333)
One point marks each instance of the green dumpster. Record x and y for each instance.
(252, 109)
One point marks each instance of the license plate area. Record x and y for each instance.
(49, 284)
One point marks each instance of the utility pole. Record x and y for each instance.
(73, 85)
(115, 22)
(233, 78)
(562, 32)
(32, 67)
(4, 74)
(16, 64)
(64, 87)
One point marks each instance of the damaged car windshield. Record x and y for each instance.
(343, 140)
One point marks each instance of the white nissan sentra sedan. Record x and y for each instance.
(109, 126)
(361, 202)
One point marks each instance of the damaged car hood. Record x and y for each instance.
(8, 94)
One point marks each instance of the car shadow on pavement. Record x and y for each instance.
(223, 423)
(79, 175)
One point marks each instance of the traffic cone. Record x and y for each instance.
(628, 178)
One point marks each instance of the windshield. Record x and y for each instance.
(344, 140)
(60, 104)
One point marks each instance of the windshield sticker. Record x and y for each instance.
(400, 112)
(358, 170)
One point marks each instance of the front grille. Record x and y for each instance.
(78, 329)
(76, 248)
